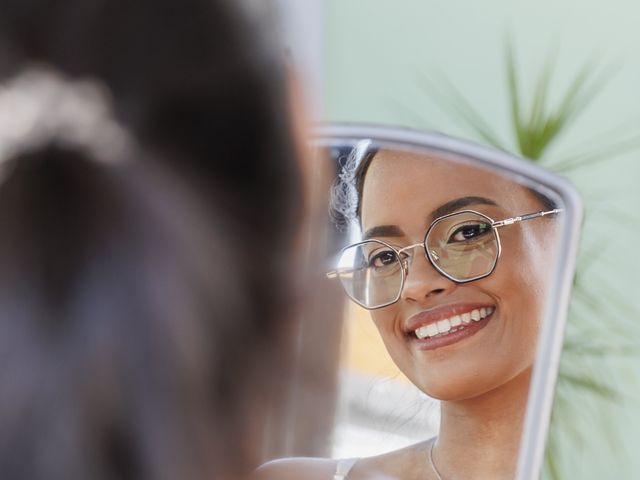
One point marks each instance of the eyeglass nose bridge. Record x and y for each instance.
(406, 262)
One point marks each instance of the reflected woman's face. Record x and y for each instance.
(403, 192)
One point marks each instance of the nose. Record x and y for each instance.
(423, 280)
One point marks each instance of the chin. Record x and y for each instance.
(453, 392)
(468, 387)
(464, 387)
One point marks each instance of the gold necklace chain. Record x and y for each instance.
(433, 465)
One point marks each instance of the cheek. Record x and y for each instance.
(536, 255)
(384, 320)
(523, 286)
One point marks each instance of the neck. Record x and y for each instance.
(480, 437)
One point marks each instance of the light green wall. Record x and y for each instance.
(378, 48)
(377, 51)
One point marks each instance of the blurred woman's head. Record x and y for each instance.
(144, 333)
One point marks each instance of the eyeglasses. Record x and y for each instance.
(463, 246)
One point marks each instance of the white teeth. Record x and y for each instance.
(422, 332)
(453, 324)
(444, 326)
(432, 330)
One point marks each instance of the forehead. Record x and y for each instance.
(407, 185)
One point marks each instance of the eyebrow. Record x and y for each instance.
(457, 204)
(444, 209)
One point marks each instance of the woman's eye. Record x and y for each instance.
(468, 232)
(382, 259)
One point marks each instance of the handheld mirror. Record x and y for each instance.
(457, 261)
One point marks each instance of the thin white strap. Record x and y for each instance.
(343, 468)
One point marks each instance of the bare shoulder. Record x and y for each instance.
(300, 468)
(405, 463)
(402, 464)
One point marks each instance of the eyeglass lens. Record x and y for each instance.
(371, 273)
(463, 246)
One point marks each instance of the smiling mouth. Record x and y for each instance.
(456, 323)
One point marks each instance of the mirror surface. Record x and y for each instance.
(450, 261)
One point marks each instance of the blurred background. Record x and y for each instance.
(571, 71)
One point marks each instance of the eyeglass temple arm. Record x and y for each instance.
(522, 218)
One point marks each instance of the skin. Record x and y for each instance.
(482, 380)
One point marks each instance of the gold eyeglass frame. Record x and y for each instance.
(404, 263)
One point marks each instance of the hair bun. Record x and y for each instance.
(39, 106)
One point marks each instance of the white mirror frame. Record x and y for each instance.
(545, 371)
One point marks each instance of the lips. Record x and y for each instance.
(448, 324)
